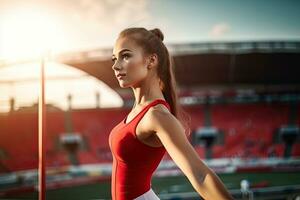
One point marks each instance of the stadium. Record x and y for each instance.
(242, 98)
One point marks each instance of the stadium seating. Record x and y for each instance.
(248, 132)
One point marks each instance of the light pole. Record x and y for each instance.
(42, 132)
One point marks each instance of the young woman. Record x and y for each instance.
(139, 142)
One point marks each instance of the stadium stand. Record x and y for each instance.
(248, 129)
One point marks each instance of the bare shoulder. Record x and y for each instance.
(159, 108)
(159, 112)
(161, 118)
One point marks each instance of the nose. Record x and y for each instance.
(116, 66)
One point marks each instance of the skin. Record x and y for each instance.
(158, 126)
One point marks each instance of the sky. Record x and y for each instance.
(29, 27)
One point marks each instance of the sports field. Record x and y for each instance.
(169, 187)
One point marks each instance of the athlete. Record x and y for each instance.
(142, 62)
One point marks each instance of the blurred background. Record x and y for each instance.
(237, 68)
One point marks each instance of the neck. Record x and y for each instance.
(147, 91)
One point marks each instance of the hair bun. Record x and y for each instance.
(158, 33)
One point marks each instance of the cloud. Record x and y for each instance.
(219, 30)
(106, 15)
(101, 21)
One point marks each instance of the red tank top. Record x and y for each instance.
(133, 161)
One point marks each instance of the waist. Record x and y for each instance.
(129, 182)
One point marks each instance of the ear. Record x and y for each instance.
(152, 61)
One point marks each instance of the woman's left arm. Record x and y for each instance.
(171, 133)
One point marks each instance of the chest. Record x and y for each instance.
(144, 130)
(131, 143)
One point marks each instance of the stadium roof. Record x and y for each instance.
(208, 64)
(227, 64)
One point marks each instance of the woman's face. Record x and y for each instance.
(129, 63)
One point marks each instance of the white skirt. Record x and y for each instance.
(149, 195)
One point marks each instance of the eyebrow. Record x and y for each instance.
(121, 51)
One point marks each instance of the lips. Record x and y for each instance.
(120, 75)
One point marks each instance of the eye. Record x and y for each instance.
(126, 55)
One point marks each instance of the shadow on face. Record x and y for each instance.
(130, 62)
